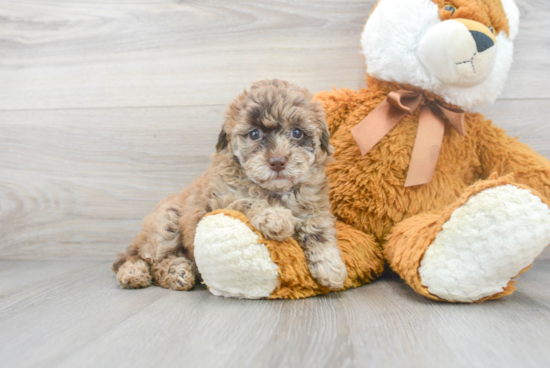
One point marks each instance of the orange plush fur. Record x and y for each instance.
(432, 235)
(379, 219)
(368, 193)
(363, 260)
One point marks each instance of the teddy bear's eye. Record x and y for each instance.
(492, 29)
(254, 135)
(450, 8)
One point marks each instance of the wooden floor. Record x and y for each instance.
(106, 107)
(73, 314)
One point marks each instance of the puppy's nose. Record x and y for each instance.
(277, 163)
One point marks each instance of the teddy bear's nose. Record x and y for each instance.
(483, 42)
(277, 163)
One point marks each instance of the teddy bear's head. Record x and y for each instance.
(460, 50)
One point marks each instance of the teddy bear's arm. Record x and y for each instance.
(504, 155)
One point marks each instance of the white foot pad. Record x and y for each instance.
(231, 260)
(485, 243)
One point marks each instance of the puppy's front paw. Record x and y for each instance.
(330, 271)
(276, 223)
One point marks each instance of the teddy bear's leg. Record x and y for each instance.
(361, 254)
(472, 250)
(316, 236)
(235, 260)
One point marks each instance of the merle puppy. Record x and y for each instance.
(270, 165)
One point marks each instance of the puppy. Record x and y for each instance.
(270, 165)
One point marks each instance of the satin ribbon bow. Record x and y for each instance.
(431, 128)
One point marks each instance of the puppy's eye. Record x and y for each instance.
(491, 29)
(450, 8)
(254, 135)
(297, 133)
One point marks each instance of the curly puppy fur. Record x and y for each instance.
(270, 165)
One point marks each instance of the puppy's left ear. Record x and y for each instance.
(223, 141)
(325, 140)
(325, 134)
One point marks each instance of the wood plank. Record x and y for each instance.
(412, 331)
(525, 119)
(159, 53)
(81, 317)
(530, 72)
(63, 310)
(75, 184)
(16, 275)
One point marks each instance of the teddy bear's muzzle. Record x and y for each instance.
(458, 52)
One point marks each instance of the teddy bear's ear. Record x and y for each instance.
(223, 140)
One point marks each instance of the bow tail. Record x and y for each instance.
(384, 118)
(426, 148)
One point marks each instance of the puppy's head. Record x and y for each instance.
(276, 134)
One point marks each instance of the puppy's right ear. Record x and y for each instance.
(231, 113)
(223, 141)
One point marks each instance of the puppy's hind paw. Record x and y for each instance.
(176, 273)
(275, 223)
(134, 275)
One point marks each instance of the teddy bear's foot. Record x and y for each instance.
(486, 242)
(232, 260)
(134, 274)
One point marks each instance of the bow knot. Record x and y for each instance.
(429, 136)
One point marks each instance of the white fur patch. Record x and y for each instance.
(232, 261)
(512, 13)
(485, 243)
(391, 37)
(402, 24)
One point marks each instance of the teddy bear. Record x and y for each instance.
(420, 182)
